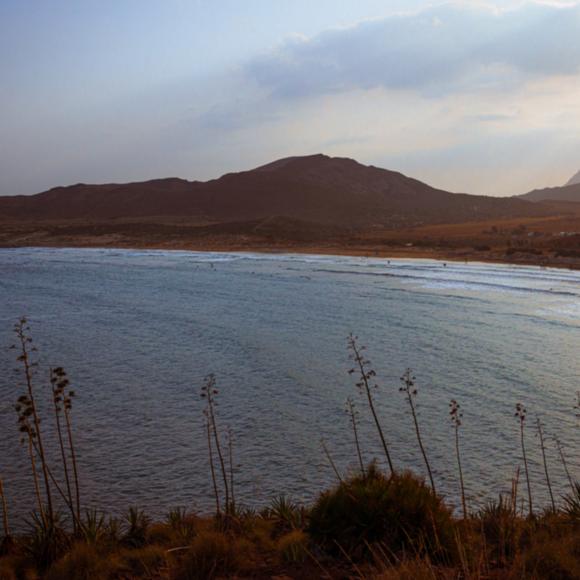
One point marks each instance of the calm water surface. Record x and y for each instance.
(138, 331)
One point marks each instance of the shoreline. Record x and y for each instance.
(367, 251)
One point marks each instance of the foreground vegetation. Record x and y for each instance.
(372, 524)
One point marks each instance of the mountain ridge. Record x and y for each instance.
(335, 191)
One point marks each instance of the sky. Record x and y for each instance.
(468, 96)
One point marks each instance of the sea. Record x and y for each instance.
(139, 331)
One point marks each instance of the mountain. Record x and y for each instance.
(317, 189)
(575, 180)
(551, 194)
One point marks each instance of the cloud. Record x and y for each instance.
(442, 49)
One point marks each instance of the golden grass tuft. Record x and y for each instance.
(82, 562)
(211, 554)
(293, 547)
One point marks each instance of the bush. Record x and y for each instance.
(501, 530)
(47, 542)
(211, 555)
(293, 547)
(7, 569)
(556, 558)
(400, 512)
(136, 524)
(287, 514)
(572, 503)
(143, 562)
(82, 563)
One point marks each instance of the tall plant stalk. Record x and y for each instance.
(352, 413)
(24, 411)
(231, 461)
(331, 461)
(4, 510)
(57, 399)
(208, 392)
(410, 390)
(565, 463)
(521, 416)
(68, 396)
(543, 447)
(22, 330)
(363, 385)
(211, 464)
(456, 418)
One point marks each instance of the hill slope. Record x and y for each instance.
(574, 180)
(549, 194)
(316, 189)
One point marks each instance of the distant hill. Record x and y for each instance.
(550, 194)
(574, 180)
(316, 189)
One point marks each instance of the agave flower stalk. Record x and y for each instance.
(331, 461)
(57, 400)
(543, 448)
(231, 462)
(353, 413)
(24, 411)
(4, 510)
(520, 414)
(63, 397)
(22, 330)
(564, 463)
(211, 463)
(366, 375)
(456, 419)
(209, 392)
(409, 388)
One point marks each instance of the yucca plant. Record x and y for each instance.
(47, 540)
(181, 523)
(93, 526)
(136, 525)
(500, 530)
(287, 514)
(572, 503)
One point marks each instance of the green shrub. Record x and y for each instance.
(400, 512)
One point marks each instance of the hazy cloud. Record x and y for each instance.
(435, 51)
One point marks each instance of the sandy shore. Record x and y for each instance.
(364, 250)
